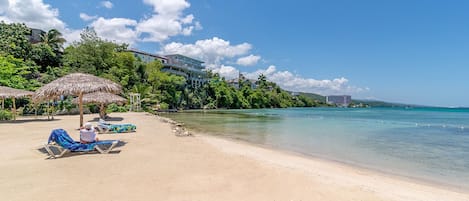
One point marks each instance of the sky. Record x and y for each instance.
(406, 51)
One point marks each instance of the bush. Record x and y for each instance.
(116, 108)
(5, 115)
(164, 106)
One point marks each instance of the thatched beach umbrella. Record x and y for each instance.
(7, 92)
(102, 98)
(76, 84)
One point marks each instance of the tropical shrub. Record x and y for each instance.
(5, 115)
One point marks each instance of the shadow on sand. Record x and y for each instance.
(22, 121)
(96, 119)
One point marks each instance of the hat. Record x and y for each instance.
(88, 125)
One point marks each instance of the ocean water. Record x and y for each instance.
(430, 144)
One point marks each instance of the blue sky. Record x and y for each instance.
(405, 51)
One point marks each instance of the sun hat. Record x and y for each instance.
(88, 125)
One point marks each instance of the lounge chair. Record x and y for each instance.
(60, 140)
(104, 127)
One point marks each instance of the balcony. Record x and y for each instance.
(185, 68)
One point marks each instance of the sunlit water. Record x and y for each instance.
(431, 144)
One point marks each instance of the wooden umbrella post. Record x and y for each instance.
(80, 103)
(101, 111)
(14, 109)
(3, 103)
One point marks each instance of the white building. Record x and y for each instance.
(341, 100)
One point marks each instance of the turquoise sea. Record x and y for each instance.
(430, 144)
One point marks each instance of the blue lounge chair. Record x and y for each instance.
(60, 139)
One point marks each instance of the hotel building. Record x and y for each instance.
(342, 100)
(189, 68)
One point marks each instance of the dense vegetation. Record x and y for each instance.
(28, 66)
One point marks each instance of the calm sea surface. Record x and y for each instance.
(425, 143)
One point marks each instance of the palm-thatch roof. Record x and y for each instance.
(76, 84)
(101, 97)
(7, 92)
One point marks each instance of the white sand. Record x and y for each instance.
(154, 164)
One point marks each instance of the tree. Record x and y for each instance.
(92, 54)
(17, 74)
(14, 40)
(54, 39)
(123, 70)
(49, 51)
(167, 87)
(44, 56)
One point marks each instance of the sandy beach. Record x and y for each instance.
(154, 164)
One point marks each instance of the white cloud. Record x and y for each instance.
(212, 51)
(166, 21)
(107, 4)
(86, 17)
(229, 72)
(116, 29)
(248, 60)
(71, 35)
(198, 26)
(290, 81)
(188, 19)
(34, 13)
(168, 7)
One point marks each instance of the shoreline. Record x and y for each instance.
(358, 167)
(247, 145)
(427, 179)
(155, 164)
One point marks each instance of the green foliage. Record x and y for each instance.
(123, 70)
(116, 108)
(92, 54)
(66, 104)
(44, 56)
(52, 73)
(53, 38)
(26, 66)
(5, 115)
(16, 73)
(164, 106)
(167, 88)
(14, 40)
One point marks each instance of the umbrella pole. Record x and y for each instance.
(80, 102)
(14, 109)
(48, 110)
(101, 111)
(3, 103)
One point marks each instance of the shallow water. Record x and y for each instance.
(425, 143)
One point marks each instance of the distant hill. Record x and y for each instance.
(370, 103)
(377, 103)
(313, 96)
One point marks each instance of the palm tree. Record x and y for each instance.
(54, 39)
(262, 81)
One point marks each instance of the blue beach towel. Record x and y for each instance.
(61, 137)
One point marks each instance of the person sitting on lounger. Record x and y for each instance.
(88, 134)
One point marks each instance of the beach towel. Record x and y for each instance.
(104, 127)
